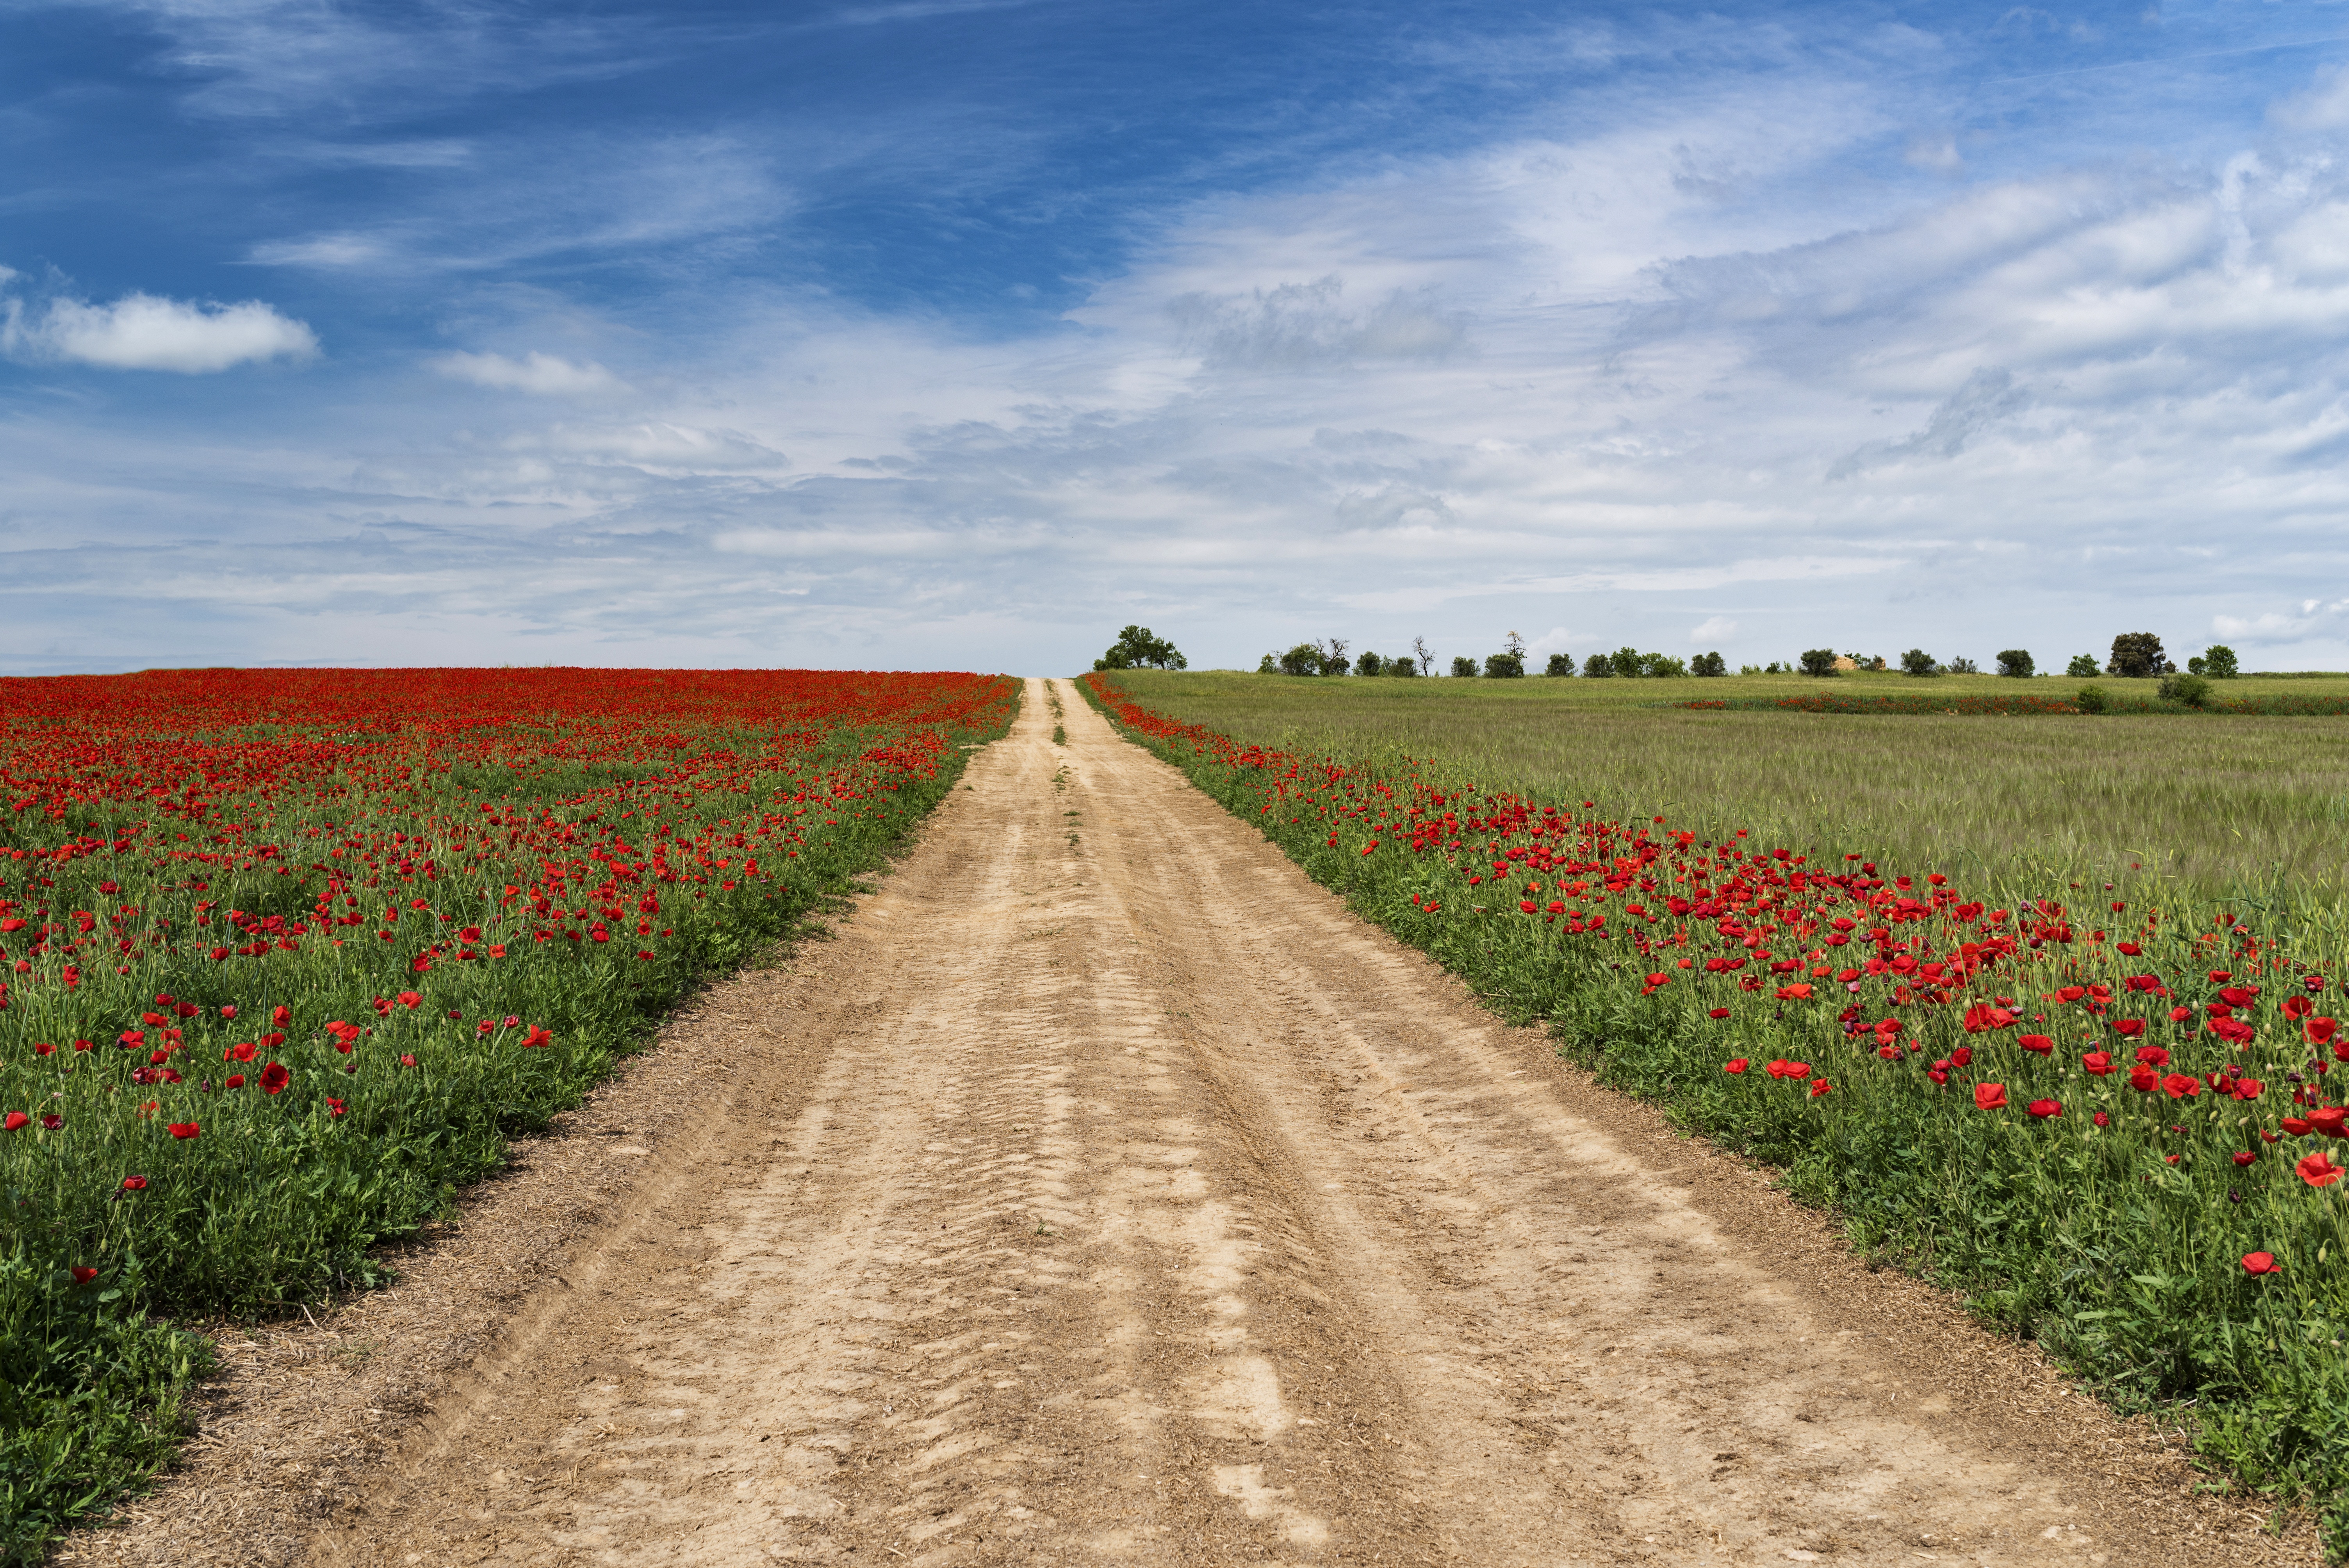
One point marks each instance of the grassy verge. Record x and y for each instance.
(287, 966)
(2109, 1120)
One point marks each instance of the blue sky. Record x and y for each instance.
(947, 332)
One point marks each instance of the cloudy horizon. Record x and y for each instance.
(959, 334)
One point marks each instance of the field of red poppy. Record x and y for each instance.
(284, 955)
(2104, 1112)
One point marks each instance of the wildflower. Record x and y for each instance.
(2244, 1156)
(134, 1184)
(2318, 1170)
(2261, 1264)
(1820, 1087)
(14, 1120)
(2329, 1119)
(2181, 1086)
(83, 1275)
(1734, 1064)
(1718, 1013)
(234, 1080)
(2038, 1043)
(184, 1129)
(1990, 1096)
(411, 999)
(2098, 1063)
(2043, 1110)
(1783, 1068)
(274, 1078)
(2101, 1120)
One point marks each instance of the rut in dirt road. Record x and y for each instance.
(1137, 1204)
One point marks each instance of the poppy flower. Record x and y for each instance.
(2329, 1120)
(2261, 1264)
(537, 1037)
(411, 999)
(2319, 1031)
(16, 1119)
(2318, 1170)
(2181, 1086)
(2153, 1056)
(281, 1017)
(2102, 1120)
(2129, 1029)
(52, 1121)
(2244, 1156)
(235, 1080)
(2181, 1015)
(134, 1184)
(1963, 1056)
(2041, 1044)
(184, 1129)
(1736, 1065)
(335, 1108)
(2294, 1126)
(2044, 1108)
(1783, 1068)
(1990, 1096)
(2144, 1080)
(1820, 1087)
(1798, 992)
(2098, 1063)
(2297, 1007)
(274, 1078)
(408, 1061)
(83, 1275)
(1718, 1013)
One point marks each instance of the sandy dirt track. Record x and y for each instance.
(1108, 1194)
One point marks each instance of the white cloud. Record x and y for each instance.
(1713, 629)
(534, 372)
(145, 332)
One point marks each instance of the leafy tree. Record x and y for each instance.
(2016, 661)
(1709, 665)
(1917, 662)
(2138, 654)
(1662, 665)
(1463, 668)
(1333, 657)
(1268, 665)
(2082, 664)
(1369, 664)
(1304, 659)
(1504, 666)
(1560, 665)
(1818, 662)
(1962, 667)
(2093, 699)
(1626, 660)
(2219, 661)
(1406, 666)
(1597, 665)
(1427, 660)
(1136, 648)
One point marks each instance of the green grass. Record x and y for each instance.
(2217, 803)
(1676, 960)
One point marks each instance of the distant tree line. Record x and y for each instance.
(2135, 653)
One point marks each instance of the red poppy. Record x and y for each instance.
(274, 1078)
(1990, 1096)
(2319, 1031)
(2298, 1007)
(2098, 1063)
(1798, 992)
(2294, 1126)
(134, 1184)
(235, 1080)
(2038, 1043)
(2318, 1170)
(538, 1037)
(411, 999)
(1718, 1013)
(1783, 1068)
(2181, 1086)
(1736, 1065)
(2329, 1119)
(2102, 1120)
(2144, 1080)
(15, 1119)
(184, 1129)
(335, 1108)
(1963, 1056)
(281, 1017)
(2153, 1056)
(2261, 1264)
(1820, 1087)
(2129, 1029)
(83, 1275)
(2044, 1109)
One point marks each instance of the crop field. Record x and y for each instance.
(286, 955)
(2205, 803)
(2046, 1007)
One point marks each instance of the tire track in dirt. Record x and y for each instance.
(1137, 1204)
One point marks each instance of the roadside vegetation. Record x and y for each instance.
(286, 956)
(2087, 1072)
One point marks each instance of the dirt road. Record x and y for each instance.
(1117, 1197)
